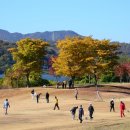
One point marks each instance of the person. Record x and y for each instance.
(122, 108)
(76, 93)
(58, 84)
(73, 112)
(47, 97)
(65, 83)
(91, 110)
(6, 105)
(112, 105)
(32, 93)
(37, 97)
(56, 104)
(70, 83)
(81, 113)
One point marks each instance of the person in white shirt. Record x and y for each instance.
(6, 105)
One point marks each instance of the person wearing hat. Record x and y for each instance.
(81, 113)
(91, 110)
(112, 105)
(73, 112)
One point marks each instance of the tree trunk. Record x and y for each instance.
(120, 79)
(28, 82)
(95, 78)
(73, 78)
(89, 78)
(17, 82)
(96, 84)
(12, 83)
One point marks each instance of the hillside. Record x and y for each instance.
(48, 36)
(8, 40)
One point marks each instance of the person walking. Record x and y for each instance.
(6, 105)
(91, 110)
(76, 93)
(56, 104)
(81, 113)
(112, 105)
(73, 112)
(47, 97)
(122, 108)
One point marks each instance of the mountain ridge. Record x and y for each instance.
(47, 35)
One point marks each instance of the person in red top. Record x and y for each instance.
(122, 108)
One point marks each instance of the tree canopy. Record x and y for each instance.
(79, 56)
(28, 57)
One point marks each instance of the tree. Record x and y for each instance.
(123, 71)
(102, 57)
(28, 56)
(72, 57)
(81, 56)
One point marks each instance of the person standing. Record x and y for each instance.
(112, 105)
(32, 93)
(70, 83)
(56, 104)
(76, 93)
(73, 112)
(122, 108)
(91, 110)
(6, 105)
(81, 113)
(37, 97)
(47, 97)
(65, 83)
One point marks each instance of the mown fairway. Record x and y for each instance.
(26, 114)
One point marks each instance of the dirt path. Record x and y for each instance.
(26, 114)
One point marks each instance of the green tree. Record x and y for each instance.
(28, 57)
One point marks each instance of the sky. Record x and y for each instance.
(102, 19)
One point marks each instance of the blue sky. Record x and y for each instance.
(108, 19)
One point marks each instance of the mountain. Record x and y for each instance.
(48, 36)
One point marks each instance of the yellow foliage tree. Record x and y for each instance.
(80, 56)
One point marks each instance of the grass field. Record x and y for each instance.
(26, 114)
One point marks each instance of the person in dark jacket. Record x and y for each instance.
(37, 97)
(73, 112)
(81, 113)
(47, 97)
(112, 105)
(91, 110)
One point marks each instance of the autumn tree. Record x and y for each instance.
(123, 71)
(80, 56)
(102, 57)
(72, 57)
(28, 57)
